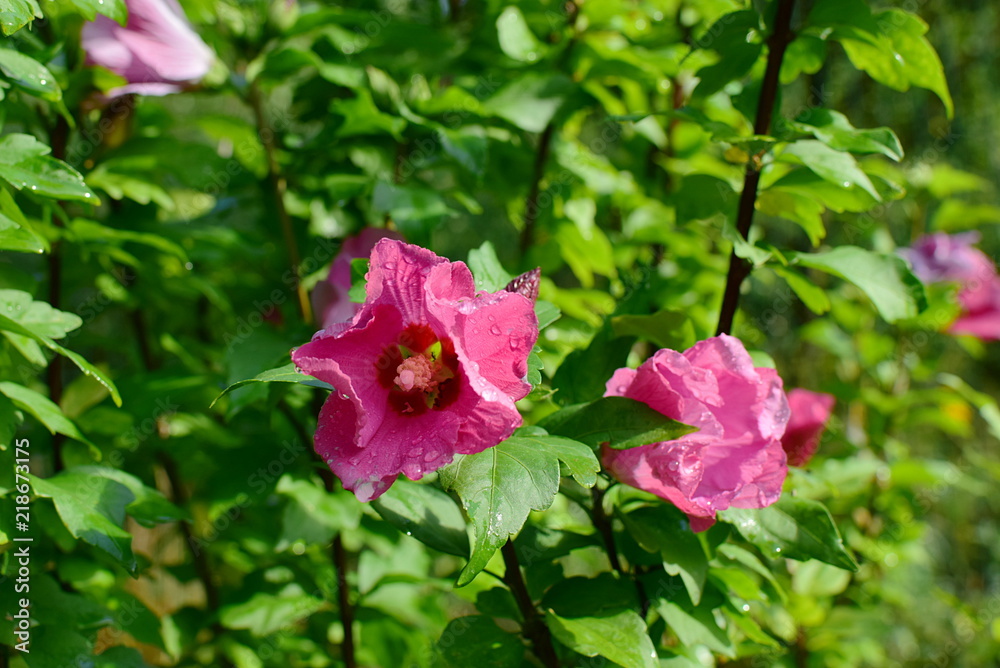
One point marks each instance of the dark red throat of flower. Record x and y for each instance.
(420, 371)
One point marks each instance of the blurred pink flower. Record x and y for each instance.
(426, 370)
(736, 458)
(980, 315)
(810, 412)
(941, 257)
(330, 300)
(157, 51)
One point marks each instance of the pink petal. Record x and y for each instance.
(496, 332)
(810, 412)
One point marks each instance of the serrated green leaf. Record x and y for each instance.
(620, 637)
(84, 366)
(501, 485)
(620, 422)
(283, 374)
(885, 279)
(93, 509)
(793, 528)
(15, 14)
(426, 513)
(39, 316)
(25, 165)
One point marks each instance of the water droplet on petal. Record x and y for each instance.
(621, 389)
(495, 330)
(491, 318)
(514, 345)
(673, 466)
(345, 396)
(390, 265)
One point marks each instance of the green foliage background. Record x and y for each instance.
(606, 142)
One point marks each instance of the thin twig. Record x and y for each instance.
(739, 268)
(603, 525)
(534, 627)
(278, 187)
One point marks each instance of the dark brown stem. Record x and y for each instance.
(344, 601)
(201, 565)
(537, 173)
(535, 629)
(54, 374)
(545, 144)
(739, 268)
(278, 187)
(603, 525)
(341, 566)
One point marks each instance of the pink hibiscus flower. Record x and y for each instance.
(330, 300)
(157, 51)
(810, 413)
(428, 369)
(736, 458)
(942, 257)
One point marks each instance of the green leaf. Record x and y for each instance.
(265, 614)
(85, 366)
(81, 230)
(793, 528)
(24, 163)
(813, 296)
(914, 55)
(426, 513)
(531, 101)
(487, 269)
(313, 515)
(665, 328)
(14, 237)
(664, 530)
(834, 166)
(359, 280)
(546, 312)
(695, 627)
(885, 279)
(806, 54)
(44, 410)
(796, 207)
(283, 374)
(93, 509)
(833, 129)
(620, 422)
(116, 10)
(515, 37)
(15, 14)
(620, 637)
(477, 641)
(29, 75)
(39, 316)
(149, 508)
(501, 485)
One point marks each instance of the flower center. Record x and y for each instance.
(420, 371)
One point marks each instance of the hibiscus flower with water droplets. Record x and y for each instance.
(428, 369)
